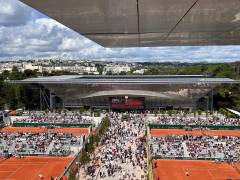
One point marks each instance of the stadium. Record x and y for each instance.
(128, 92)
(129, 127)
(145, 126)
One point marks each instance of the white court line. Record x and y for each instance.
(40, 170)
(212, 177)
(14, 171)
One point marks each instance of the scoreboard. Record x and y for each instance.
(127, 102)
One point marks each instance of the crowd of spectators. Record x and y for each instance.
(57, 118)
(188, 146)
(180, 120)
(57, 144)
(122, 154)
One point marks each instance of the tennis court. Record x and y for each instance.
(163, 132)
(198, 170)
(74, 131)
(29, 168)
(23, 129)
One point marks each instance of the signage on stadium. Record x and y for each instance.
(127, 103)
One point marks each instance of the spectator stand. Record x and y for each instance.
(211, 121)
(40, 144)
(17, 124)
(183, 147)
(210, 127)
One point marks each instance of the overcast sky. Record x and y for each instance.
(25, 33)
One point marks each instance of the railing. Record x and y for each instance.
(211, 127)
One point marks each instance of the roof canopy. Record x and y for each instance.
(132, 23)
(132, 79)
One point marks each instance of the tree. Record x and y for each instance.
(122, 73)
(85, 158)
(81, 109)
(109, 73)
(29, 73)
(100, 69)
(16, 74)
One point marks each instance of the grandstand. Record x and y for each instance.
(40, 144)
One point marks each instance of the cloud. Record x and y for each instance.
(27, 34)
(13, 14)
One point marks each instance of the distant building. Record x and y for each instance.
(116, 69)
(32, 67)
(139, 71)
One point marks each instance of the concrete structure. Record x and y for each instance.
(131, 23)
(175, 91)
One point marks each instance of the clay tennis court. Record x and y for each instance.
(163, 132)
(29, 168)
(23, 129)
(74, 131)
(198, 170)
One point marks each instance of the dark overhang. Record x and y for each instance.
(136, 23)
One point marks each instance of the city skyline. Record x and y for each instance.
(27, 34)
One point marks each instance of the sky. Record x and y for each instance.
(27, 34)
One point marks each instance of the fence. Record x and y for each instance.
(217, 127)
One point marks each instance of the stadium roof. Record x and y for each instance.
(132, 79)
(136, 23)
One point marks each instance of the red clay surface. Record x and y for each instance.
(29, 168)
(23, 129)
(74, 131)
(163, 132)
(198, 170)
